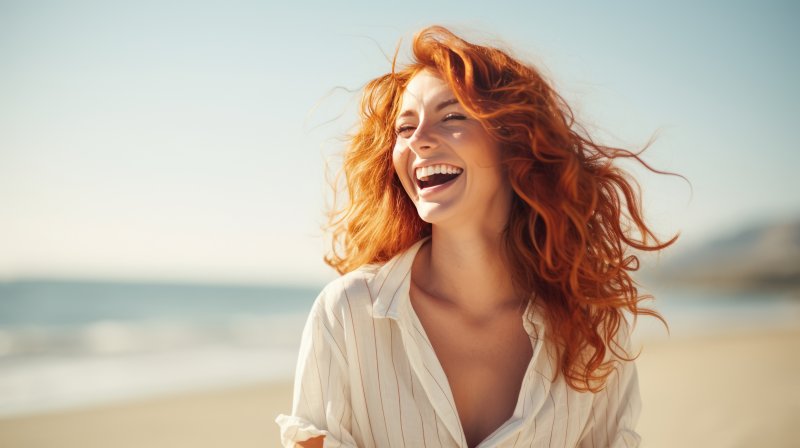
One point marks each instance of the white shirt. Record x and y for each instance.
(367, 376)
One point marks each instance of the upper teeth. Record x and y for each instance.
(426, 171)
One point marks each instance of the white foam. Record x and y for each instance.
(51, 368)
(54, 383)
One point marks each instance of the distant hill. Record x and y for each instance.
(760, 256)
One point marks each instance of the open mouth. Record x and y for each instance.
(431, 176)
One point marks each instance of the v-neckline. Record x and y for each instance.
(516, 417)
(430, 361)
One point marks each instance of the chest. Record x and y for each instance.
(485, 366)
(444, 384)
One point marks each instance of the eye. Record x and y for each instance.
(454, 117)
(404, 131)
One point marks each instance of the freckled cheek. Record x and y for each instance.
(400, 162)
(398, 157)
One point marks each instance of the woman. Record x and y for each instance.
(485, 277)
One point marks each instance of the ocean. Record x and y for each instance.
(69, 344)
(66, 344)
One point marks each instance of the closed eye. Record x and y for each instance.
(404, 131)
(454, 117)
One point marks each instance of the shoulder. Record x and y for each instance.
(351, 293)
(355, 294)
(621, 340)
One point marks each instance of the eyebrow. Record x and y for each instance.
(438, 107)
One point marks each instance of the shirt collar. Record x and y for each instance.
(392, 282)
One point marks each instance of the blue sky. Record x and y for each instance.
(186, 141)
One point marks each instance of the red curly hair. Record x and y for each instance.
(567, 233)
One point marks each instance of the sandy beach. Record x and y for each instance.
(710, 391)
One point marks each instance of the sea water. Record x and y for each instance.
(68, 344)
(692, 312)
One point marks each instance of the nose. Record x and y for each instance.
(422, 140)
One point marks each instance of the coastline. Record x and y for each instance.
(715, 390)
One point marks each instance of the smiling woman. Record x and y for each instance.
(485, 289)
(448, 164)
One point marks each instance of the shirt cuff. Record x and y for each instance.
(295, 429)
(627, 439)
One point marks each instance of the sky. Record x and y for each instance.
(187, 141)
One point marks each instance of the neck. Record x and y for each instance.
(466, 270)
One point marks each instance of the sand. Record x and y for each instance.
(713, 391)
(239, 417)
(732, 391)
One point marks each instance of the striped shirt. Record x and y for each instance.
(367, 376)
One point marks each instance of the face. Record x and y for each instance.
(447, 162)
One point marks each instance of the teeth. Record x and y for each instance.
(437, 169)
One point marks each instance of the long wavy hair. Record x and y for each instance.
(568, 233)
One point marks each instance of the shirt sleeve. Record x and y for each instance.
(615, 409)
(321, 398)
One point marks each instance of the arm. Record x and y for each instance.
(321, 401)
(315, 442)
(615, 409)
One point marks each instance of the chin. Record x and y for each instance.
(433, 213)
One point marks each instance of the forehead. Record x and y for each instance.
(424, 89)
